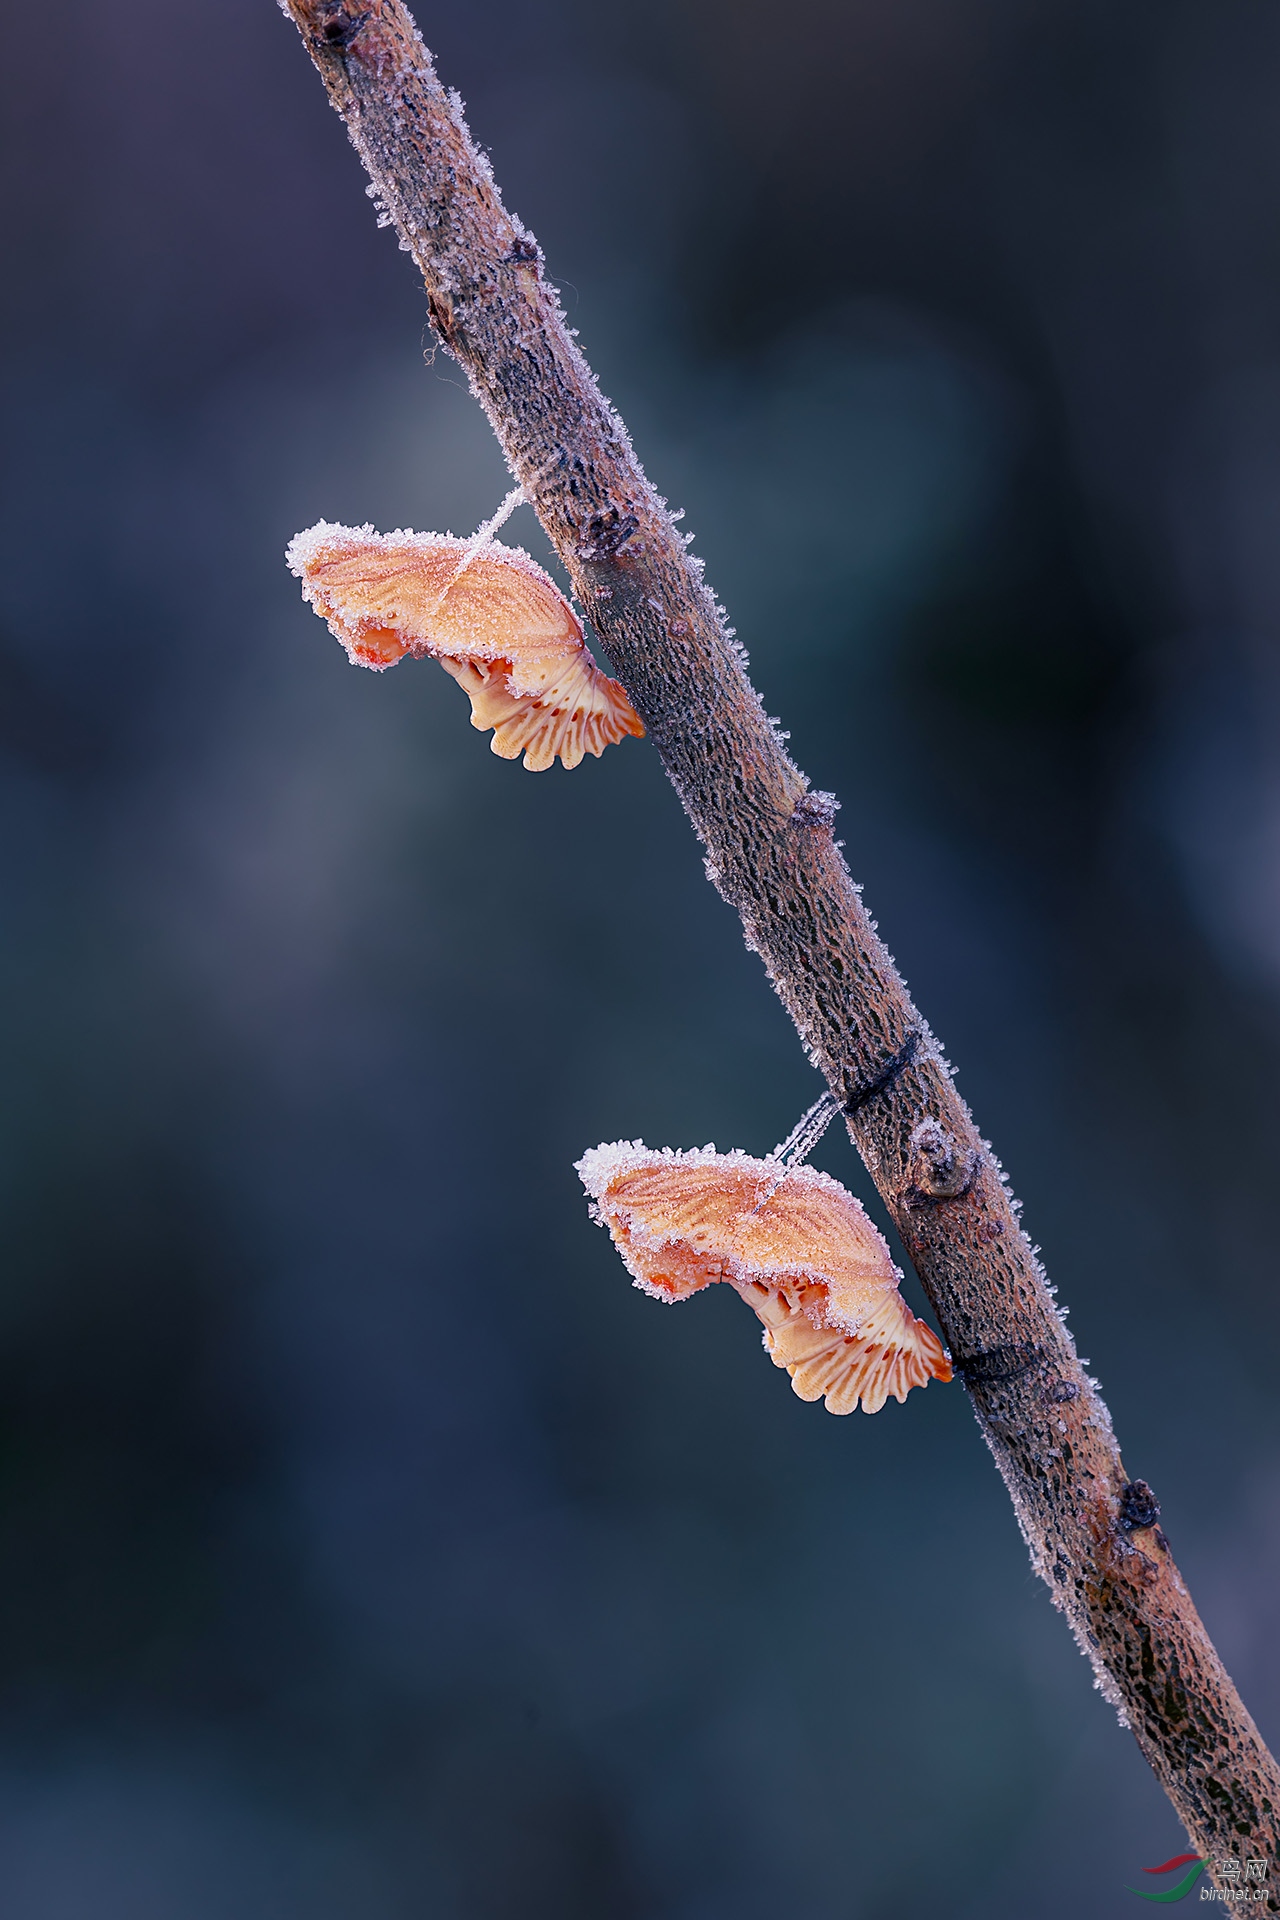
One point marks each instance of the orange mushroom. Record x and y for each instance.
(798, 1248)
(488, 614)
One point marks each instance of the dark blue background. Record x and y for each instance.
(368, 1549)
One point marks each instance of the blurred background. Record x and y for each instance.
(368, 1548)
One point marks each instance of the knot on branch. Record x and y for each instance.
(1138, 1506)
(337, 28)
(608, 534)
(814, 809)
(1137, 1511)
(940, 1169)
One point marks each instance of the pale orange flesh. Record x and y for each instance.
(492, 618)
(804, 1256)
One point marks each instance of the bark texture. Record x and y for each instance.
(1093, 1533)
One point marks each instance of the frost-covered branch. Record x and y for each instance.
(1093, 1533)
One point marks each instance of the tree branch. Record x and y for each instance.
(1092, 1533)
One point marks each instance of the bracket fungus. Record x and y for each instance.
(797, 1247)
(488, 613)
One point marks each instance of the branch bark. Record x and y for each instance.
(1093, 1534)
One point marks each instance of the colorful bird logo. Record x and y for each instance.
(1183, 1887)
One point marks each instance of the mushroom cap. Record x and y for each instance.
(488, 614)
(386, 594)
(802, 1253)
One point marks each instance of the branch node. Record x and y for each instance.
(815, 809)
(1138, 1506)
(608, 533)
(336, 28)
(940, 1168)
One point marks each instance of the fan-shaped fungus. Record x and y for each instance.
(488, 614)
(800, 1251)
